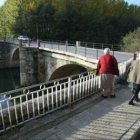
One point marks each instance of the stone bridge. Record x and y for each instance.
(9, 55)
(40, 65)
(50, 60)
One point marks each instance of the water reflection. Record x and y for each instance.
(4, 103)
(9, 80)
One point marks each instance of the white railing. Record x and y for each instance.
(29, 104)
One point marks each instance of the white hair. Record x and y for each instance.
(106, 51)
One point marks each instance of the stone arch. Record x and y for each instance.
(15, 58)
(67, 70)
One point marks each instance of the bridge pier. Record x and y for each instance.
(28, 66)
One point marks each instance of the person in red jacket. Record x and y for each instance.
(107, 68)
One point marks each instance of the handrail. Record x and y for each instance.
(44, 83)
(25, 107)
(65, 45)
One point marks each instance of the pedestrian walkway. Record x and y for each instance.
(91, 119)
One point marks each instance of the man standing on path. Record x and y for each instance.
(134, 78)
(107, 68)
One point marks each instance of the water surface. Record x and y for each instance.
(9, 79)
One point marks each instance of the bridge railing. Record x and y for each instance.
(29, 104)
(86, 49)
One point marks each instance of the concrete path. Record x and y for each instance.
(91, 119)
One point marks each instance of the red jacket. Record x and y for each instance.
(107, 64)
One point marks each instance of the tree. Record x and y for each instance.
(104, 21)
(131, 42)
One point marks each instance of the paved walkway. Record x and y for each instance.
(92, 119)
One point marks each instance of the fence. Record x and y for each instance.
(87, 49)
(22, 105)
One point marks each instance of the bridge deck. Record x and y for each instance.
(94, 118)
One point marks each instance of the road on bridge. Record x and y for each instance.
(81, 50)
(88, 52)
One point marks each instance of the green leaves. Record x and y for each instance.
(131, 41)
(105, 21)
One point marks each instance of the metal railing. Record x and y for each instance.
(86, 49)
(22, 105)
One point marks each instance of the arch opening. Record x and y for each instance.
(15, 58)
(67, 70)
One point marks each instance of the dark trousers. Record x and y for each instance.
(135, 91)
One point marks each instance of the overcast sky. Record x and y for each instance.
(137, 2)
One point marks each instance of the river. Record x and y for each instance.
(9, 79)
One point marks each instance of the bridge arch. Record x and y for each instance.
(67, 70)
(15, 58)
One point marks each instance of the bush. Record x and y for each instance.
(131, 42)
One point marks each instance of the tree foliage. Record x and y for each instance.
(104, 21)
(131, 41)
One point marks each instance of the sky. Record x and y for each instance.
(2, 2)
(137, 2)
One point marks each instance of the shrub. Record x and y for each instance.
(131, 42)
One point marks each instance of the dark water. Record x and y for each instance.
(138, 136)
(9, 79)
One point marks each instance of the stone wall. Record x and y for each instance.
(48, 64)
(29, 66)
(7, 51)
(38, 65)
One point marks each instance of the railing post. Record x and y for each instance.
(20, 43)
(69, 91)
(58, 46)
(112, 49)
(93, 48)
(86, 50)
(102, 46)
(29, 42)
(76, 47)
(93, 45)
(97, 54)
(38, 43)
(66, 45)
(52, 45)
